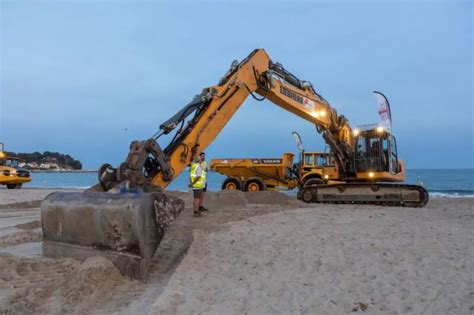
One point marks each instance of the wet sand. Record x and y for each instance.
(258, 254)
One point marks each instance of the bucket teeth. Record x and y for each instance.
(124, 227)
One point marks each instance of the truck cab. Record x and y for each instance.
(11, 174)
(317, 168)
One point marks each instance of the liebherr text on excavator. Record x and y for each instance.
(367, 161)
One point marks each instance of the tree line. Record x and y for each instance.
(48, 157)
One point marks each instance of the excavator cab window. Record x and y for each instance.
(361, 154)
(376, 152)
(394, 166)
(10, 163)
(385, 154)
(309, 159)
(331, 160)
(322, 160)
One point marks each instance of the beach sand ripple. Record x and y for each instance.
(330, 259)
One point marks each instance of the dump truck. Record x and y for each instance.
(257, 174)
(11, 174)
(128, 208)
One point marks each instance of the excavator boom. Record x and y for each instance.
(198, 123)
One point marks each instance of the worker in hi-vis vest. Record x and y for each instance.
(197, 182)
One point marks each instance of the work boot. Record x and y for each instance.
(203, 209)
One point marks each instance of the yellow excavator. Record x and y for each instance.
(125, 215)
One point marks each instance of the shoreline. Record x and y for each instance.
(433, 195)
(63, 171)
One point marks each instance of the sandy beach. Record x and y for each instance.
(256, 253)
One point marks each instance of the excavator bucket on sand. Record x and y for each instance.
(126, 228)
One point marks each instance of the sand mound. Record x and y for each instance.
(233, 199)
(25, 198)
(95, 275)
(22, 205)
(268, 197)
(227, 198)
(23, 236)
(29, 284)
(49, 286)
(29, 226)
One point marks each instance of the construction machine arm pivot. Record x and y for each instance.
(198, 123)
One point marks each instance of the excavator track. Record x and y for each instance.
(385, 194)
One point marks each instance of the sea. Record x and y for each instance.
(439, 182)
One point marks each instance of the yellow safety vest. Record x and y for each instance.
(204, 168)
(202, 180)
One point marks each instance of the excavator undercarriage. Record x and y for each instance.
(384, 194)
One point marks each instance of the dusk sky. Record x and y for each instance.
(87, 77)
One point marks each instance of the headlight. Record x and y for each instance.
(318, 114)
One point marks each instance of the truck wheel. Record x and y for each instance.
(231, 183)
(14, 186)
(255, 184)
(313, 181)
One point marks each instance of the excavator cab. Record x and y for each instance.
(376, 155)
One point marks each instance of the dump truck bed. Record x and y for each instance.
(254, 167)
(272, 171)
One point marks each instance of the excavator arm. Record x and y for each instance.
(198, 123)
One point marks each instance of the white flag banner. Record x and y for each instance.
(299, 143)
(384, 111)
